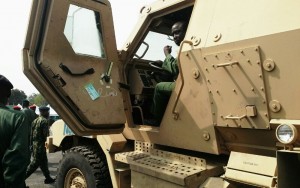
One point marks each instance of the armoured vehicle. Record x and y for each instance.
(231, 121)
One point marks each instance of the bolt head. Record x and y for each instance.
(206, 136)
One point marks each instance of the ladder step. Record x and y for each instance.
(165, 165)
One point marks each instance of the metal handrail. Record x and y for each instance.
(175, 113)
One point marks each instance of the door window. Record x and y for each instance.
(83, 31)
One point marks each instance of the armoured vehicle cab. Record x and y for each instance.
(234, 103)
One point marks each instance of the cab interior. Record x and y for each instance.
(144, 69)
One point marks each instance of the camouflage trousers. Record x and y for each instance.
(39, 160)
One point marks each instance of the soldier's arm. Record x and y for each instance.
(45, 129)
(170, 65)
(17, 156)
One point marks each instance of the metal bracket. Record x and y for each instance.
(106, 75)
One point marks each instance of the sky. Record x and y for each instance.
(14, 15)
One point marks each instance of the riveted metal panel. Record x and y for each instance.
(235, 81)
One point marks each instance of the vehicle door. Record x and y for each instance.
(70, 55)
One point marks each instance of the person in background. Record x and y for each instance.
(14, 145)
(39, 133)
(32, 107)
(28, 113)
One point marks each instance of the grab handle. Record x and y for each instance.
(68, 71)
(227, 64)
(175, 113)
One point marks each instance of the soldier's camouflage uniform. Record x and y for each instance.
(31, 116)
(163, 90)
(39, 133)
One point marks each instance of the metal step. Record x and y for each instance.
(176, 168)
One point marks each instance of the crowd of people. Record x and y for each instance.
(23, 135)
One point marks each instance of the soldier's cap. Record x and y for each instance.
(44, 108)
(16, 108)
(33, 107)
(5, 83)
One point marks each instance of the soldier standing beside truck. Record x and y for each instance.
(39, 133)
(14, 146)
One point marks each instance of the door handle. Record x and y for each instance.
(68, 71)
(227, 64)
(235, 117)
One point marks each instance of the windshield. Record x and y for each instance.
(156, 43)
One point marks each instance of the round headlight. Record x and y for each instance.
(286, 133)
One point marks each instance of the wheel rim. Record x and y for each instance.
(75, 179)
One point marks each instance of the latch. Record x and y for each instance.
(106, 76)
(250, 112)
(57, 79)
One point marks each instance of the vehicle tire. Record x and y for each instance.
(83, 166)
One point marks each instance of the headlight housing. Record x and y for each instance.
(286, 133)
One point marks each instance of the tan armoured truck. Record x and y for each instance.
(231, 121)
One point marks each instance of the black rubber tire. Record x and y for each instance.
(90, 161)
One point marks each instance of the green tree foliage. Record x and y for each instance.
(17, 96)
(32, 97)
(37, 99)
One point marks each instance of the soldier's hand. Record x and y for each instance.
(167, 50)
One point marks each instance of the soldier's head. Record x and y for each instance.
(178, 31)
(25, 103)
(5, 89)
(44, 111)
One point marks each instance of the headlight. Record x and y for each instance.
(286, 133)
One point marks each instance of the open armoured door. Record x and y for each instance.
(70, 56)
